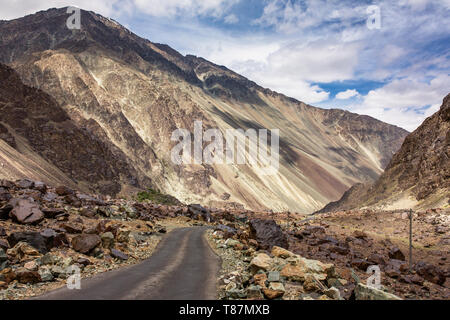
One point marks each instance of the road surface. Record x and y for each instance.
(183, 267)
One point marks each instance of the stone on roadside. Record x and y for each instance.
(267, 233)
(275, 290)
(363, 292)
(261, 262)
(254, 292)
(46, 274)
(107, 240)
(119, 254)
(26, 276)
(281, 253)
(84, 243)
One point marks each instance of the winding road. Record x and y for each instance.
(183, 267)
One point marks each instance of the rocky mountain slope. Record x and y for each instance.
(417, 176)
(123, 96)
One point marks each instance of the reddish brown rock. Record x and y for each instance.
(431, 273)
(27, 276)
(268, 234)
(26, 211)
(84, 243)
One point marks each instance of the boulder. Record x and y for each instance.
(107, 240)
(51, 213)
(25, 184)
(4, 211)
(40, 186)
(268, 234)
(23, 251)
(275, 290)
(431, 273)
(261, 262)
(45, 274)
(34, 239)
(281, 253)
(72, 228)
(4, 194)
(84, 243)
(260, 279)
(198, 212)
(397, 254)
(26, 211)
(64, 191)
(26, 276)
(118, 254)
(293, 273)
(254, 293)
(363, 292)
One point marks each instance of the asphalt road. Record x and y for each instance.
(183, 267)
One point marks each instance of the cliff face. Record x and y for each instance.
(418, 175)
(131, 94)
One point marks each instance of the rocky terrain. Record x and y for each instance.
(418, 175)
(45, 230)
(108, 94)
(329, 256)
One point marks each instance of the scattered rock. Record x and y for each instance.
(363, 292)
(118, 254)
(64, 191)
(431, 273)
(397, 254)
(84, 243)
(27, 276)
(107, 240)
(281, 253)
(261, 262)
(45, 274)
(275, 290)
(34, 239)
(268, 234)
(26, 211)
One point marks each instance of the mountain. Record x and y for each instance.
(418, 175)
(122, 97)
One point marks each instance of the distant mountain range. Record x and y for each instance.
(95, 108)
(418, 175)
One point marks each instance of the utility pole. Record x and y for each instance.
(410, 240)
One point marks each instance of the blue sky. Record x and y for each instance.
(320, 52)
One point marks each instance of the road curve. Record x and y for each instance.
(183, 267)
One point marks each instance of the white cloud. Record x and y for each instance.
(316, 62)
(171, 8)
(12, 9)
(402, 102)
(231, 19)
(344, 95)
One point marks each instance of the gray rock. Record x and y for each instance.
(274, 276)
(363, 292)
(118, 254)
(46, 274)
